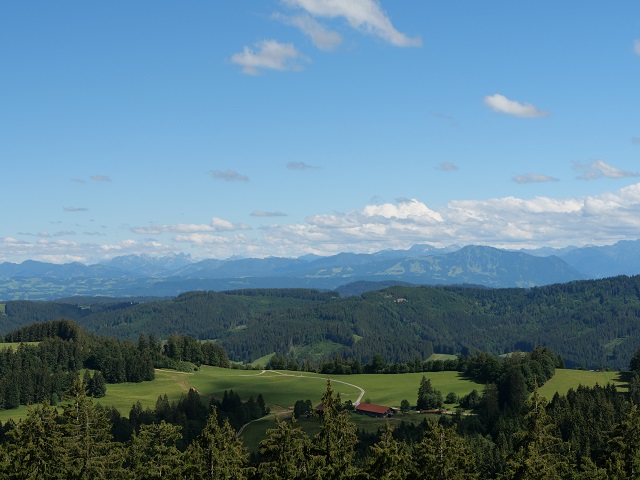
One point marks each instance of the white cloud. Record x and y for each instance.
(100, 178)
(228, 176)
(501, 104)
(363, 15)
(75, 209)
(269, 55)
(447, 167)
(321, 37)
(300, 166)
(217, 225)
(504, 222)
(598, 169)
(260, 213)
(533, 178)
(507, 222)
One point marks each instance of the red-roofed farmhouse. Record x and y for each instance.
(374, 410)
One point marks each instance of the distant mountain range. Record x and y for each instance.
(140, 275)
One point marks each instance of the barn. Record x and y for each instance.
(374, 410)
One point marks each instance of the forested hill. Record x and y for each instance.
(589, 323)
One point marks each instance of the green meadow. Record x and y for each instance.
(565, 379)
(282, 389)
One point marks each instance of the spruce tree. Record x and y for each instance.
(88, 448)
(335, 444)
(443, 455)
(286, 452)
(217, 453)
(390, 459)
(35, 446)
(623, 450)
(153, 452)
(540, 454)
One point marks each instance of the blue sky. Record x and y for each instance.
(286, 127)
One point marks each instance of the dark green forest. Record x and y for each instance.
(590, 324)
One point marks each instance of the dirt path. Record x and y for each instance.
(325, 379)
(304, 376)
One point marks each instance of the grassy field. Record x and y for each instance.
(563, 380)
(281, 390)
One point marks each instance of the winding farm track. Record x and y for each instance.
(305, 376)
(325, 379)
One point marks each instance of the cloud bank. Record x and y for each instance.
(505, 222)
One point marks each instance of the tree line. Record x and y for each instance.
(45, 370)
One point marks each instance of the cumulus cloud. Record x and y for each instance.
(300, 166)
(533, 178)
(217, 224)
(75, 209)
(598, 169)
(260, 213)
(363, 15)
(100, 178)
(269, 55)
(507, 222)
(447, 167)
(321, 37)
(501, 104)
(228, 176)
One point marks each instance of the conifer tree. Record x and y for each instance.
(153, 452)
(36, 446)
(624, 447)
(286, 452)
(217, 453)
(443, 455)
(88, 448)
(335, 444)
(540, 453)
(390, 458)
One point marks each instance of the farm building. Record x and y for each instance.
(374, 410)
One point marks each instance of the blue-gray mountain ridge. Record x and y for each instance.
(135, 275)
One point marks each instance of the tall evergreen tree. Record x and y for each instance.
(623, 459)
(286, 452)
(88, 448)
(217, 453)
(36, 446)
(540, 453)
(335, 443)
(390, 459)
(153, 452)
(443, 455)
